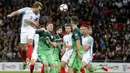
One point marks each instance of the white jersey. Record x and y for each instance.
(88, 41)
(28, 14)
(67, 39)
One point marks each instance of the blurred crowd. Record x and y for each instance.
(110, 20)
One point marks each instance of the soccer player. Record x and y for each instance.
(75, 60)
(87, 42)
(67, 46)
(30, 20)
(45, 49)
(56, 53)
(34, 54)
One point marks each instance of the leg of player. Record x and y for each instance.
(33, 61)
(29, 50)
(52, 68)
(23, 51)
(46, 69)
(63, 63)
(71, 70)
(82, 67)
(97, 68)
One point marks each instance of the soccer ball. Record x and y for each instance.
(63, 7)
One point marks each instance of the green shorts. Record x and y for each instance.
(46, 56)
(56, 60)
(74, 61)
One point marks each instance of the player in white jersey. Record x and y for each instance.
(87, 42)
(30, 20)
(67, 45)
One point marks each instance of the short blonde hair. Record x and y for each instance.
(37, 4)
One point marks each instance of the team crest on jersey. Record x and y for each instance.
(76, 34)
(52, 37)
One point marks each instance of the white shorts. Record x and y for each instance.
(87, 58)
(34, 54)
(67, 55)
(24, 36)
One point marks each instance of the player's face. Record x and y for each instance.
(68, 29)
(50, 27)
(81, 30)
(90, 31)
(84, 30)
(38, 9)
(59, 31)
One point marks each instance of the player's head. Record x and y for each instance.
(74, 20)
(83, 30)
(49, 27)
(90, 31)
(37, 6)
(67, 29)
(59, 30)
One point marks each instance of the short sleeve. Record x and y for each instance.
(76, 36)
(89, 41)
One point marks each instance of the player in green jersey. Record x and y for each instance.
(57, 50)
(75, 60)
(45, 49)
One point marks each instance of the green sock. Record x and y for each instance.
(46, 70)
(86, 71)
(96, 68)
(52, 70)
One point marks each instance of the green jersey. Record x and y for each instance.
(57, 49)
(76, 35)
(43, 42)
(74, 61)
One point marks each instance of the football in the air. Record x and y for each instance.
(63, 7)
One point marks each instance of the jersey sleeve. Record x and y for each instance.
(89, 41)
(76, 36)
(23, 10)
(41, 33)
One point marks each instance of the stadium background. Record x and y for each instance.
(110, 20)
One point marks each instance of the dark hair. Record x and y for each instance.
(58, 27)
(74, 20)
(67, 25)
(37, 4)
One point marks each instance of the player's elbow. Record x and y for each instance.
(54, 45)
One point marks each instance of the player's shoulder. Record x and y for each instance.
(90, 37)
(27, 8)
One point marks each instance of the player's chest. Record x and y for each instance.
(32, 16)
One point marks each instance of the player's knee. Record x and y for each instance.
(33, 61)
(23, 46)
(46, 64)
(62, 64)
(30, 41)
(52, 65)
(88, 67)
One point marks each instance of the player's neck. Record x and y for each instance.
(68, 33)
(33, 10)
(85, 35)
(48, 31)
(74, 26)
